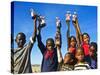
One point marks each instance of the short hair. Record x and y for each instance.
(22, 34)
(50, 39)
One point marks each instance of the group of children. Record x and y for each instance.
(82, 54)
(80, 58)
(77, 57)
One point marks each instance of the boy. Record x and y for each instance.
(21, 55)
(49, 52)
(81, 64)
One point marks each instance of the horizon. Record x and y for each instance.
(87, 17)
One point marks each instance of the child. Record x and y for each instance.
(72, 45)
(68, 63)
(93, 55)
(81, 64)
(49, 52)
(82, 39)
(85, 43)
(21, 57)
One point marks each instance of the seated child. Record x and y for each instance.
(81, 64)
(67, 64)
(93, 55)
(49, 52)
(72, 45)
(21, 55)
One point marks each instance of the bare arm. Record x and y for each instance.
(40, 43)
(35, 30)
(59, 55)
(58, 47)
(68, 34)
(78, 33)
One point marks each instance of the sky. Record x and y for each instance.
(22, 22)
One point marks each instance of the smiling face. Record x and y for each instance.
(50, 44)
(86, 38)
(79, 55)
(20, 40)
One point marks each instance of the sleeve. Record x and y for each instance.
(30, 44)
(31, 40)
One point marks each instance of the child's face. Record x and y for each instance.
(86, 39)
(79, 55)
(50, 45)
(92, 51)
(72, 42)
(67, 59)
(20, 40)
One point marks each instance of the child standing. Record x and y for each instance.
(81, 64)
(49, 52)
(21, 55)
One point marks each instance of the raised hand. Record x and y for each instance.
(77, 27)
(58, 24)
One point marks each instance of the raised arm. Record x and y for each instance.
(58, 47)
(68, 34)
(35, 30)
(58, 41)
(78, 32)
(40, 43)
(68, 16)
